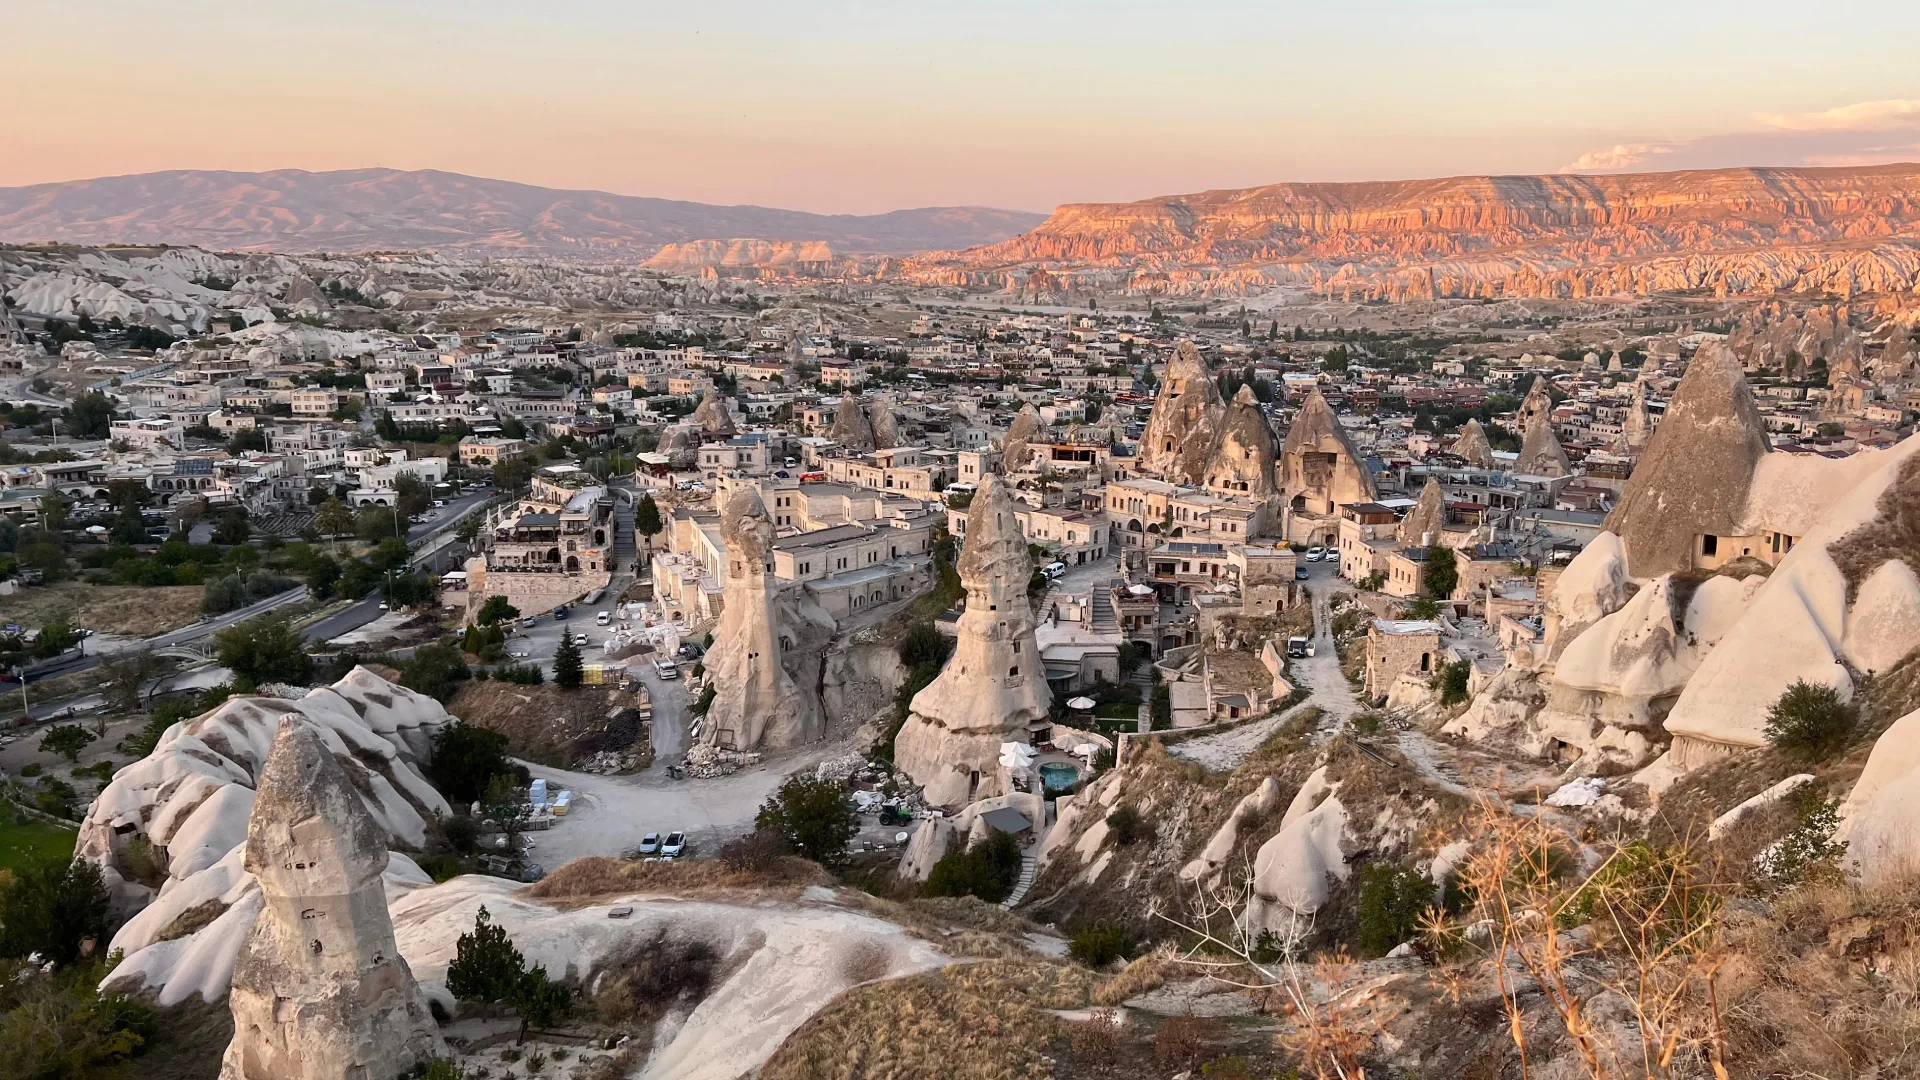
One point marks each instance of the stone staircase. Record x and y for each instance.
(1028, 869)
(1104, 620)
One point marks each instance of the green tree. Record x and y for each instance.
(568, 670)
(52, 908)
(496, 609)
(988, 870)
(505, 804)
(465, 760)
(1392, 900)
(54, 638)
(128, 528)
(322, 573)
(512, 474)
(53, 512)
(333, 518)
(468, 529)
(539, 1001)
(646, 518)
(436, 670)
(486, 967)
(376, 523)
(262, 650)
(412, 494)
(812, 816)
(90, 417)
(1811, 722)
(233, 528)
(67, 740)
(1440, 573)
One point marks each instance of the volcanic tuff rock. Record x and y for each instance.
(1016, 450)
(1244, 451)
(1535, 409)
(756, 702)
(1836, 231)
(886, 426)
(1541, 454)
(713, 415)
(1319, 462)
(1423, 523)
(1186, 413)
(1472, 446)
(387, 210)
(1637, 427)
(320, 991)
(1697, 469)
(851, 428)
(993, 686)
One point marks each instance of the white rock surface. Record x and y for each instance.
(781, 962)
(1260, 800)
(190, 800)
(1878, 817)
(1290, 871)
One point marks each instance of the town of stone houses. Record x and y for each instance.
(829, 674)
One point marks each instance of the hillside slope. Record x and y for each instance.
(294, 211)
(1840, 231)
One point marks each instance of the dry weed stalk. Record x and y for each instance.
(1638, 925)
(1328, 1034)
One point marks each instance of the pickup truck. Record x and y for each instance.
(666, 669)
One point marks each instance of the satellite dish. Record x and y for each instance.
(899, 838)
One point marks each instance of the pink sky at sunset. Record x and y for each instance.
(854, 107)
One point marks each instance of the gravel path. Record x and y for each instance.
(1327, 690)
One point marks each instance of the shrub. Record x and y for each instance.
(753, 853)
(1808, 852)
(486, 967)
(521, 674)
(1392, 900)
(51, 907)
(1127, 826)
(60, 1025)
(1100, 943)
(812, 816)
(1453, 682)
(923, 644)
(1811, 722)
(66, 740)
(31, 770)
(1440, 574)
(435, 670)
(987, 870)
(465, 760)
(1184, 1041)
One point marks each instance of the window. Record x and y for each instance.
(1013, 672)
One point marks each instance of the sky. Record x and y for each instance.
(860, 107)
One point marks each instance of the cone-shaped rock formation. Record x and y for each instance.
(1427, 518)
(1541, 454)
(1472, 446)
(1243, 455)
(1186, 412)
(1016, 450)
(320, 991)
(993, 686)
(713, 416)
(755, 701)
(1694, 476)
(1318, 462)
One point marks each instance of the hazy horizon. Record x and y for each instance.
(865, 108)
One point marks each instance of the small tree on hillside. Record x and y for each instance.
(540, 1002)
(646, 519)
(1440, 574)
(1811, 722)
(496, 609)
(465, 760)
(568, 671)
(486, 967)
(812, 816)
(67, 740)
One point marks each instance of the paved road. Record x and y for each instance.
(420, 537)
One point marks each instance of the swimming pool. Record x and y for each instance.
(1057, 776)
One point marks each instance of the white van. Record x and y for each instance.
(603, 618)
(1054, 570)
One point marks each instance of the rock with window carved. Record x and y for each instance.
(320, 992)
(1186, 414)
(993, 687)
(757, 702)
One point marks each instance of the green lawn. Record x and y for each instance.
(24, 842)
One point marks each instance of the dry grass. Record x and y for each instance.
(107, 609)
(981, 1021)
(1142, 975)
(544, 724)
(960, 926)
(1893, 534)
(598, 877)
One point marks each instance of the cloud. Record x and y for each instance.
(1896, 114)
(1864, 133)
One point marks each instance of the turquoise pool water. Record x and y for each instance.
(1058, 777)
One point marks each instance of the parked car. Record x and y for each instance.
(691, 650)
(580, 639)
(1053, 570)
(560, 613)
(1300, 573)
(649, 844)
(1296, 648)
(674, 846)
(527, 622)
(1315, 554)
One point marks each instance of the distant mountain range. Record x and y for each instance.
(1837, 231)
(297, 212)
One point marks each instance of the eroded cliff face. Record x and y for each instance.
(1727, 231)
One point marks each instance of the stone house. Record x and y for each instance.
(1397, 647)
